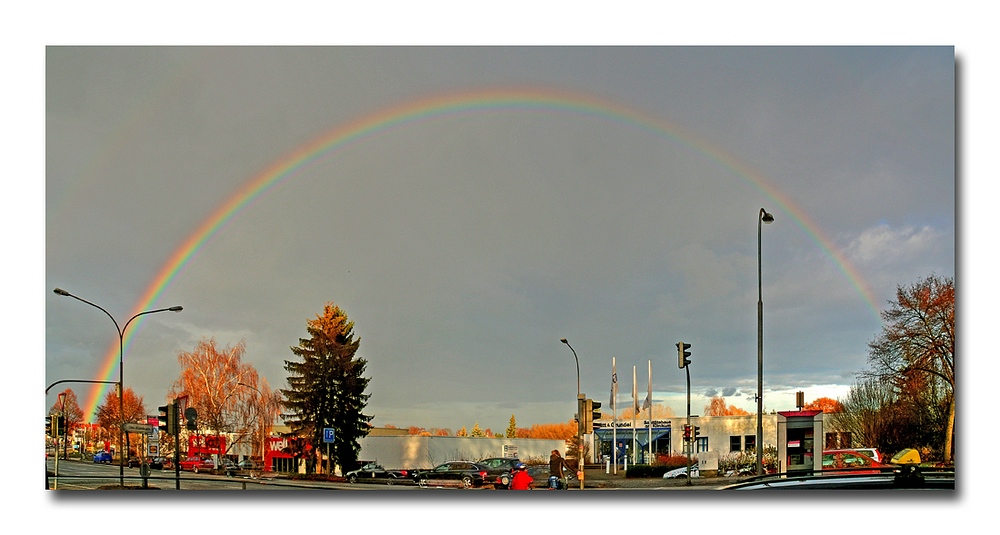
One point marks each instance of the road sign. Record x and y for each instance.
(327, 435)
(138, 428)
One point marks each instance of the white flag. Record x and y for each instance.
(649, 389)
(635, 395)
(614, 382)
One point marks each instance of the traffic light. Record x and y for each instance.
(163, 418)
(191, 419)
(586, 416)
(687, 433)
(683, 354)
(169, 422)
(49, 430)
(594, 408)
(697, 433)
(581, 420)
(61, 425)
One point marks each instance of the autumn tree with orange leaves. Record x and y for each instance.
(111, 419)
(827, 405)
(907, 397)
(717, 407)
(229, 395)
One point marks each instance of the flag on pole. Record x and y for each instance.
(648, 403)
(614, 383)
(635, 395)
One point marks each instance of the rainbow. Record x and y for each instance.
(440, 106)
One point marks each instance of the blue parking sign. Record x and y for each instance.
(327, 434)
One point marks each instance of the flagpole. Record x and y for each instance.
(649, 422)
(614, 412)
(635, 410)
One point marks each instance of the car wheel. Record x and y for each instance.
(466, 481)
(505, 480)
(390, 480)
(352, 478)
(196, 469)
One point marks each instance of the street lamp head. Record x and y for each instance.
(60, 291)
(563, 340)
(176, 309)
(765, 216)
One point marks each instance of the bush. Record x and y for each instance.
(745, 462)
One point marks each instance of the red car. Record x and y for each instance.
(850, 462)
(197, 464)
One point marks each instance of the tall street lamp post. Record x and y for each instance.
(765, 217)
(580, 417)
(121, 365)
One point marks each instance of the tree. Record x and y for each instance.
(462, 432)
(827, 405)
(717, 407)
(915, 353)
(476, 431)
(326, 388)
(111, 418)
(511, 428)
(229, 394)
(66, 404)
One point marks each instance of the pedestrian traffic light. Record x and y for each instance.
(594, 409)
(49, 430)
(687, 433)
(191, 419)
(62, 425)
(683, 354)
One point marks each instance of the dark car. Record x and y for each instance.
(134, 462)
(102, 457)
(465, 473)
(372, 472)
(158, 463)
(901, 478)
(499, 470)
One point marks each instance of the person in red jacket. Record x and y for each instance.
(522, 479)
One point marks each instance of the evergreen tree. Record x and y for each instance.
(326, 387)
(476, 431)
(511, 428)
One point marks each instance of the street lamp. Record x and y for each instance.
(764, 217)
(121, 365)
(580, 417)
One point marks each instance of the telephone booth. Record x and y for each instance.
(799, 453)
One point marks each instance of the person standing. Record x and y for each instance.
(556, 465)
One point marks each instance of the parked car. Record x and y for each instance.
(159, 463)
(499, 470)
(682, 472)
(902, 478)
(468, 473)
(102, 457)
(851, 461)
(249, 464)
(198, 464)
(372, 472)
(228, 466)
(540, 477)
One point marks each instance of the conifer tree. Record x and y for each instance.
(511, 428)
(327, 387)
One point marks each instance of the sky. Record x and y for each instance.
(468, 207)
